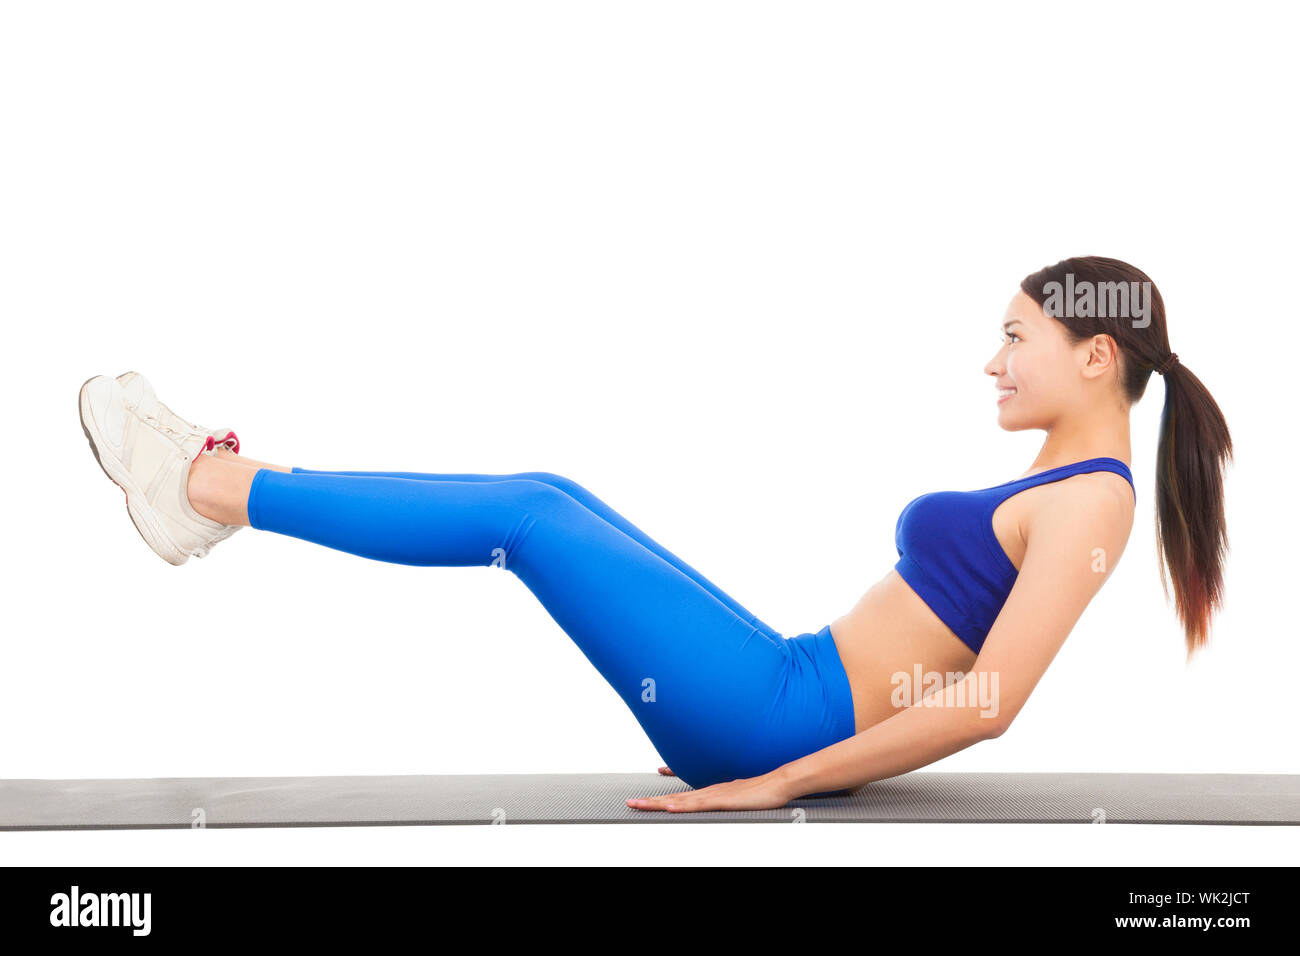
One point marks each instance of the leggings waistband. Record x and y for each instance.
(824, 656)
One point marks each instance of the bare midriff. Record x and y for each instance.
(891, 631)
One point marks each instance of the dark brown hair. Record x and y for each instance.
(1194, 444)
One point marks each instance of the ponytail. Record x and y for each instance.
(1191, 531)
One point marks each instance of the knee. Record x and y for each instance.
(567, 485)
(535, 495)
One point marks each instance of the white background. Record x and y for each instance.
(735, 267)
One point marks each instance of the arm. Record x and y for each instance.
(1061, 572)
(912, 738)
(891, 746)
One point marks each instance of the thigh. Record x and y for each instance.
(701, 680)
(599, 507)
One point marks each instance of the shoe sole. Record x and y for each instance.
(141, 514)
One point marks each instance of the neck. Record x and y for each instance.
(1101, 432)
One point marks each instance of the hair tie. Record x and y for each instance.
(1167, 364)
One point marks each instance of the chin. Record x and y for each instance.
(1012, 422)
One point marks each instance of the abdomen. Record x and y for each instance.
(894, 649)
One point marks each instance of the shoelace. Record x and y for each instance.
(179, 436)
(159, 425)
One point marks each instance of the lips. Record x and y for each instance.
(1004, 394)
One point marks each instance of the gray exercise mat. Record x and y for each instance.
(920, 797)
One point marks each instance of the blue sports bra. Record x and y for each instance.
(949, 555)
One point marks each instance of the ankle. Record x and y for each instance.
(218, 489)
(199, 484)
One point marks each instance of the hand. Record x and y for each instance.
(665, 772)
(752, 793)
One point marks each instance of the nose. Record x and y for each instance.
(997, 365)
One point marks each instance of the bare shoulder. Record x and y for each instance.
(1104, 490)
(1098, 503)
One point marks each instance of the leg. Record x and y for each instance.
(569, 487)
(710, 689)
(587, 500)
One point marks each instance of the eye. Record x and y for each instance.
(1010, 337)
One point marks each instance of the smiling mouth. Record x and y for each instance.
(1004, 394)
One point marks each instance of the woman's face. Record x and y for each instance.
(1036, 371)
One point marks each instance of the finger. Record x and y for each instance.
(648, 803)
(685, 802)
(720, 796)
(692, 800)
(664, 771)
(667, 801)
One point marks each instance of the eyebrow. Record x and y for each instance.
(1008, 324)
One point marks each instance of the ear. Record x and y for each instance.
(1102, 355)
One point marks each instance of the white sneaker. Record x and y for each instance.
(147, 452)
(140, 394)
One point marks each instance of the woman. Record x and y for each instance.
(986, 589)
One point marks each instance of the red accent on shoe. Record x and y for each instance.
(231, 441)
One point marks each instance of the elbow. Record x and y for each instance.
(986, 713)
(996, 729)
(989, 726)
(992, 718)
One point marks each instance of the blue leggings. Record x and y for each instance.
(719, 693)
